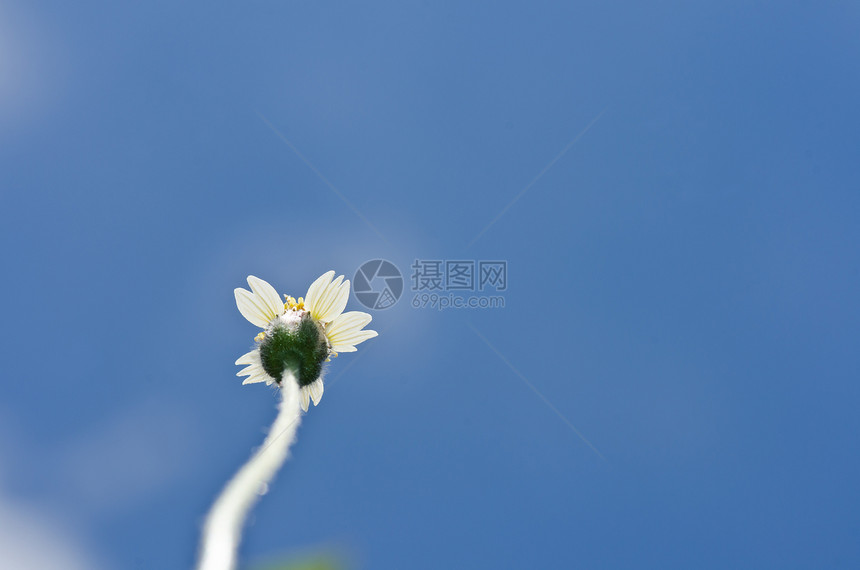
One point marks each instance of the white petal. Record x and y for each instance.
(267, 294)
(356, 337)
(340, 302)
(251, 370)
(252, 308)
(316, 390)
(334, 302)
(345, 322)
(257, 378)
(326, 297)
(315, 291)
(254, 369)
(346, 343)
(252, 357)
(345, 331)
(305, 398)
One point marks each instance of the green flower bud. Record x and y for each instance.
(299, 347)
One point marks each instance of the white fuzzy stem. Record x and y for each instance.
(222, 531)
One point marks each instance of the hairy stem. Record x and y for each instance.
(222, 530)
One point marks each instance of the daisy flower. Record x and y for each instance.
(299, 335)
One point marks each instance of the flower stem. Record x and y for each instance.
(222, 530)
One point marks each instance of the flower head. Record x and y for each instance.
(299, 335)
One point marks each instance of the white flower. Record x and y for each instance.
(299, 335)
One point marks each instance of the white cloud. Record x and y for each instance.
(30, 70)
(128, 459)
(30, 538)
(106, 471)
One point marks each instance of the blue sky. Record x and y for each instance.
(683, 279)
